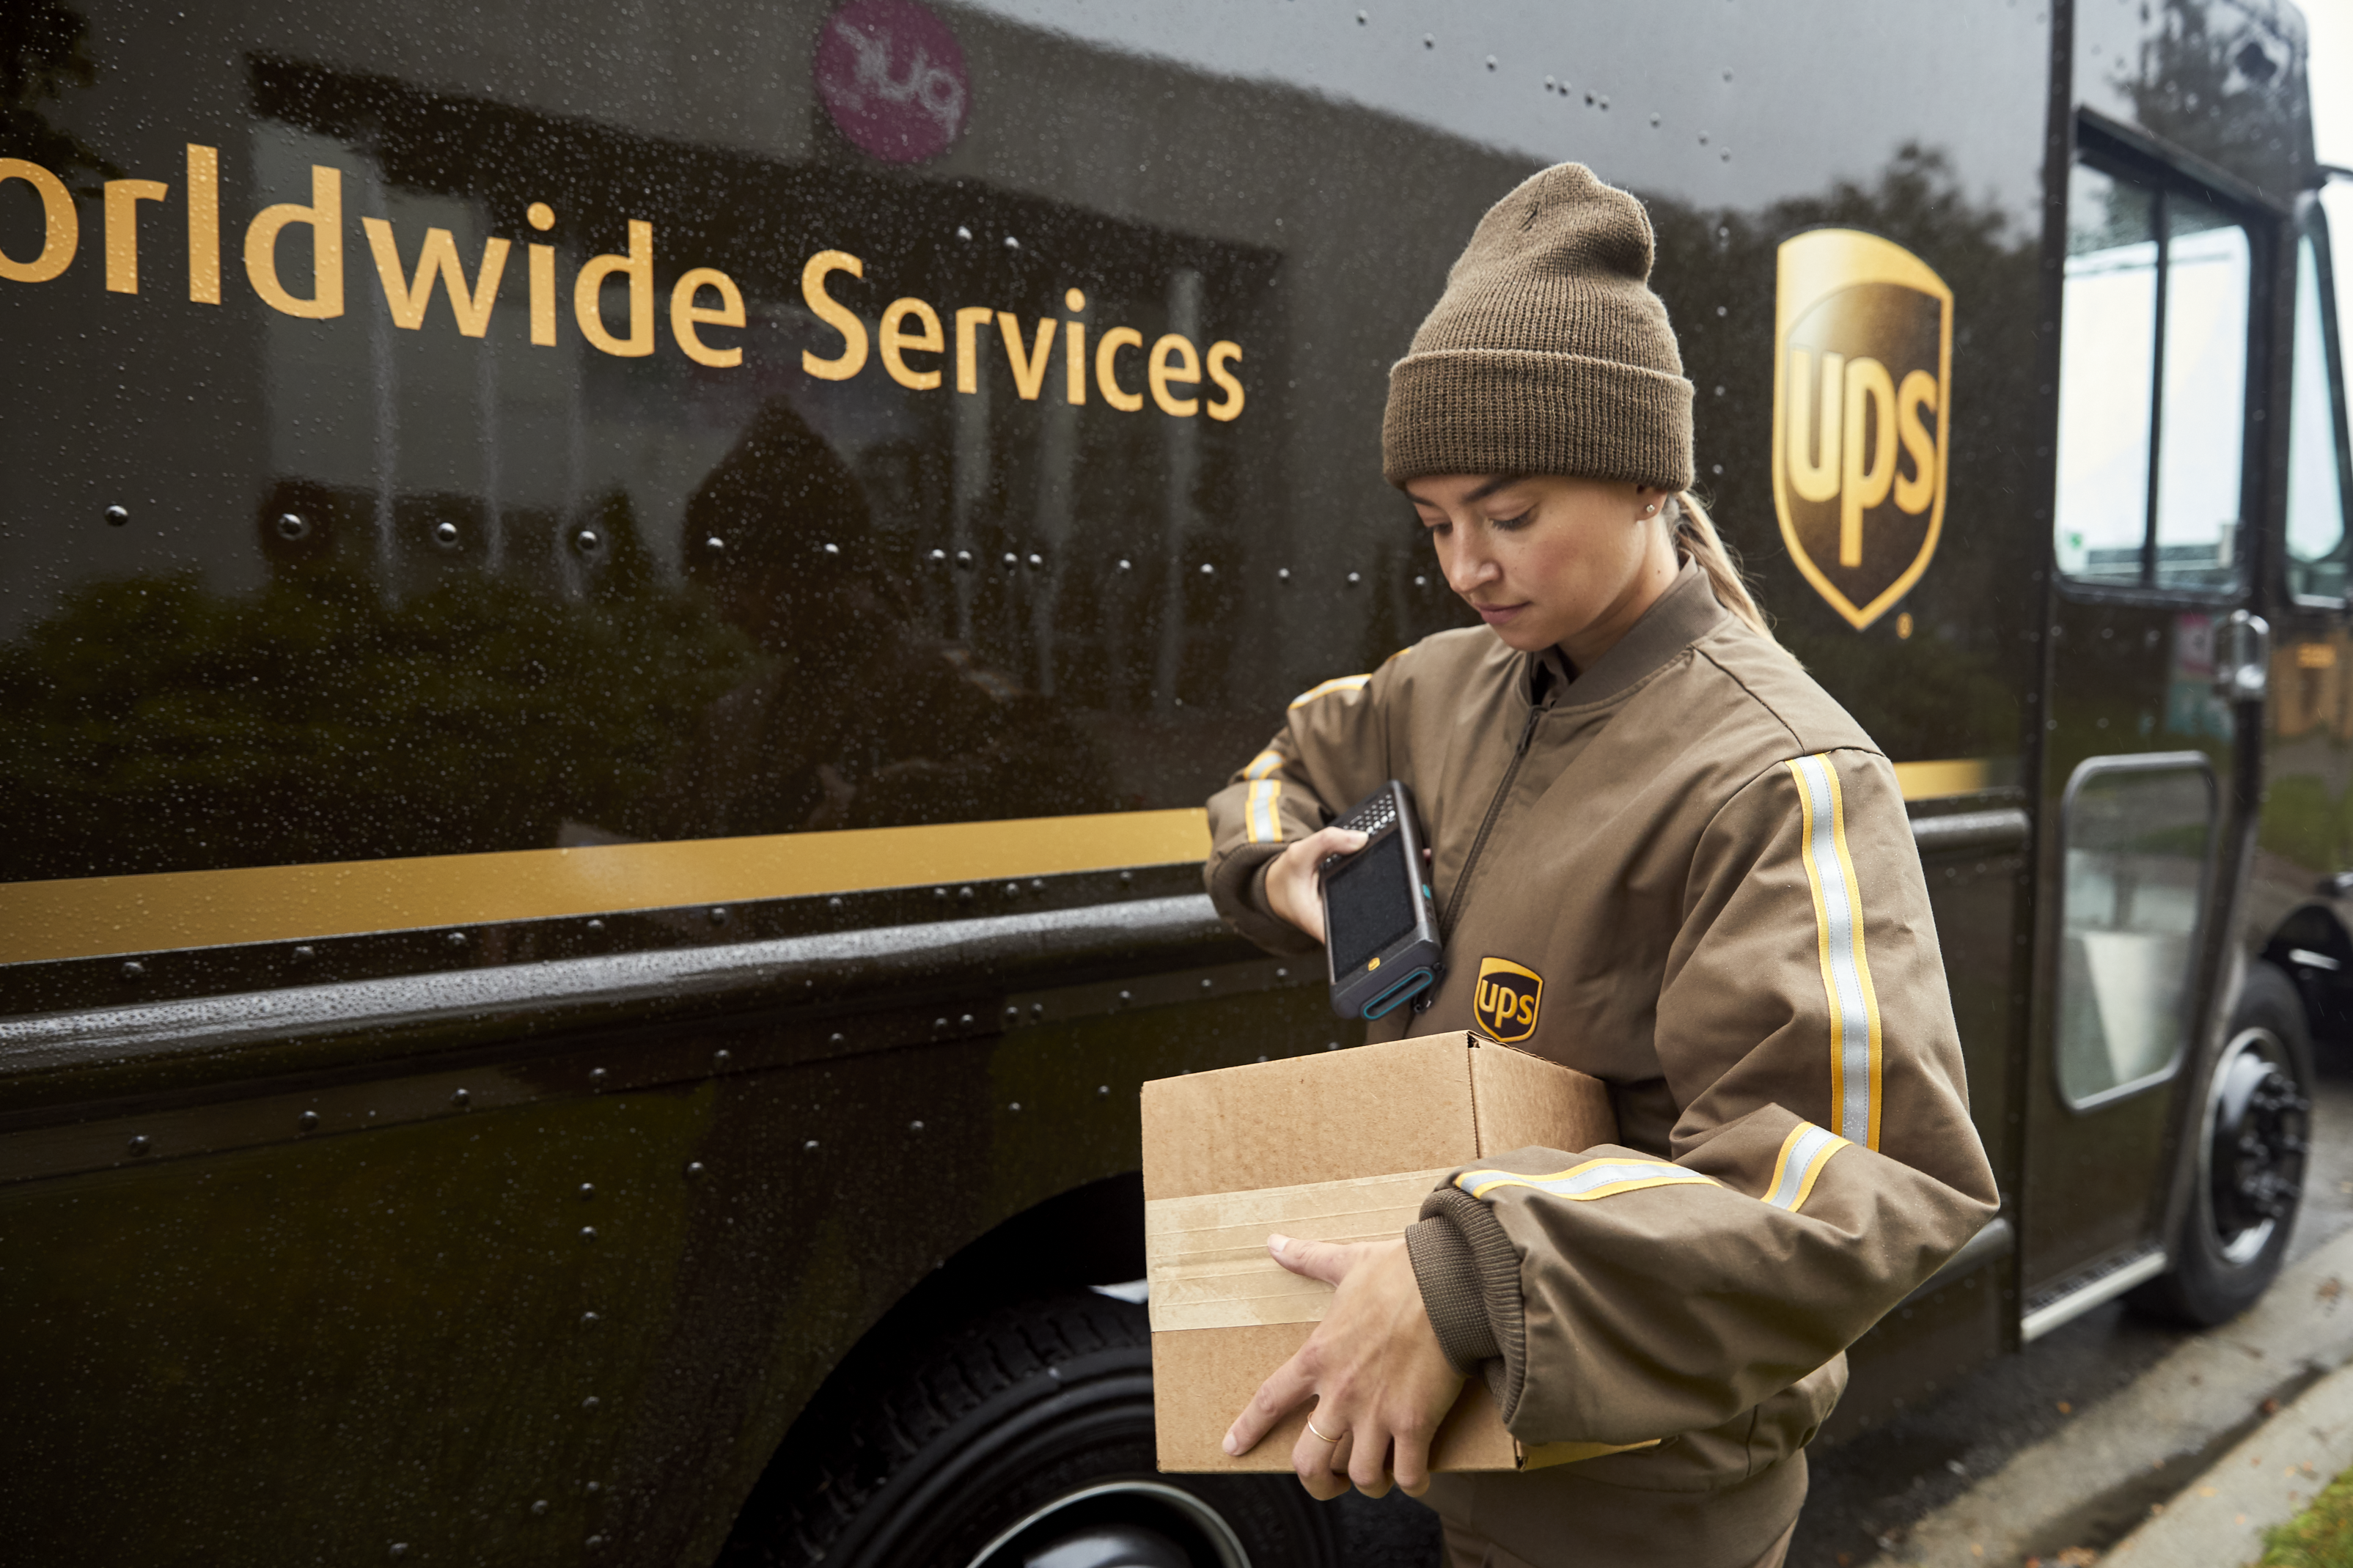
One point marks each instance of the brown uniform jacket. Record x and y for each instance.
(1688, 872)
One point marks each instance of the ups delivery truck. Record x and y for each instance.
(614, 621)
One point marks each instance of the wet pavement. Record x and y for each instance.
(2221, 1517)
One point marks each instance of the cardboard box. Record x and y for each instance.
(1339, 1146)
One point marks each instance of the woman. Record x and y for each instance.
(1636, 799)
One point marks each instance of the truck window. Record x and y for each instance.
(2153, 357)
(2107, 375)
(2315, 455)
(2203, 408)
(2136, 831)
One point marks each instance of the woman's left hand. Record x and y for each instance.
(1380, 1380)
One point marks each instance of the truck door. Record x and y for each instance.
(2145, 732)
(2300, 899)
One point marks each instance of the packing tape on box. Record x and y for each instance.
(1206, 1260)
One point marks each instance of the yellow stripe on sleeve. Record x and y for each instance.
(1339, 683)
(1862, 959)
(1261, 818)
(1804, 1153)
(1846, 966)
(1593, 1179)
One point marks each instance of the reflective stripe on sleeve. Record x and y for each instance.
(1804, 1153)
(1846, 969)
(1263, 823)
(1340, 683)
(1593, 1179)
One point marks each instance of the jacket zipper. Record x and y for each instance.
(1495, 809)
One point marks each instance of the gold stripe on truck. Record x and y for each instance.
(88, 917)
(1953, 776)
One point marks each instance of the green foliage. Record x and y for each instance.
(2319, 1537)
(157, 725)
(2301, 823)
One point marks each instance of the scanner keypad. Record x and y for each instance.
(1376, 815)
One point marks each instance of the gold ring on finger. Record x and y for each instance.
(1319, 1432)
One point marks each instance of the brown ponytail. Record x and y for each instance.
(1697, 541)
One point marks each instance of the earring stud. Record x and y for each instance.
(1649, 509)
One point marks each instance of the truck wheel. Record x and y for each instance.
(1021, 1439)
(2254, 1116)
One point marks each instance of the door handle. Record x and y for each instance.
(2243, 658)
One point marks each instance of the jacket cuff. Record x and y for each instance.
(1469, 1272)
(1448, 1277)
(1237, 885)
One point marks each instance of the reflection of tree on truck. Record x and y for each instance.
(598, 711)
(334, 703)
(857, 719)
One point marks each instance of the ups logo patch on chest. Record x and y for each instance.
(1508, 997)
(1862, 382)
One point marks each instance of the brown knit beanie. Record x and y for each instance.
(1548, 354)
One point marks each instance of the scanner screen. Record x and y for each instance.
(1367, 903)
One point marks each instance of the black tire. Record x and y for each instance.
(1029, 1428)
(2246, 1151)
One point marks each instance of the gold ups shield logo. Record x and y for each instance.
(1507, 999)
(1862, 381)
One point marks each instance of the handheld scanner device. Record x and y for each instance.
(1380, 921)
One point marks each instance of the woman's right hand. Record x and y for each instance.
(1292, 889)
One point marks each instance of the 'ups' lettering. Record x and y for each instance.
(1863, 367)
(1861, 411)
(1507, 999)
